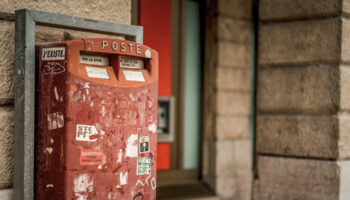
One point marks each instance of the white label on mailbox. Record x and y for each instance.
(86, 133)
(56, 53)
(143, 165)
(133, 76)
(131, 62)
(94, 59)
(97, 72)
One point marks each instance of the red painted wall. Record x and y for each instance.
(155, 17)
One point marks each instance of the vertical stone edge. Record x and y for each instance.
(344, 185)
(209, 150)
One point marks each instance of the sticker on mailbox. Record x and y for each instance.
(144, 144)
(56, 53)
(143, 166)
(86, 133)
(133, 76)
(131, 62)
(97, 72)
(91, 156)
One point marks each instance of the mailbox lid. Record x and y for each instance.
(111, 49)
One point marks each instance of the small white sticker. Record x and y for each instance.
(131, 62)
(143, 166)
(97, 72)
(133, 76)
(148, 54)
(94, 59)
(56, 53)
(86, 133)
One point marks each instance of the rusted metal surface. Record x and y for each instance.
(96, 137)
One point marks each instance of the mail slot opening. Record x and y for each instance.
(132, 62)
(94, 59)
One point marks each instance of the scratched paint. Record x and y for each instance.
(120, 115)
(152, 128)
(123, 178)
(131, 146)
(153, 183)
(83, 185)
(49, 149)
(55, 120)
(120, 154)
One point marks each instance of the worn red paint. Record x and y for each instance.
(115, 112)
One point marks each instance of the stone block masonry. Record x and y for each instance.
(228, 90)
(302, 142)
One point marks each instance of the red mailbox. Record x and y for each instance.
(97, 120)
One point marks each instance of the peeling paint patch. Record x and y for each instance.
(119, 160)
(123, 178)
(49, 186)
(82, 185)
(131, 147)
(152, 128)
(49, 149)
(55, 120)
(51, 140)
(131, 97)
(103, 111)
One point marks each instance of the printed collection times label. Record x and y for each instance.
(91, 156)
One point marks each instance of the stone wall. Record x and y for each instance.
(108, 10)
(303, 143)
(227, 163)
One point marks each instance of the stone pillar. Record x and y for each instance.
(303, 93)
(228, 60)
(109, 10)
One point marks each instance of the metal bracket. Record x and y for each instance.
(24, 82)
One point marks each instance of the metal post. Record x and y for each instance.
(24, 71)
